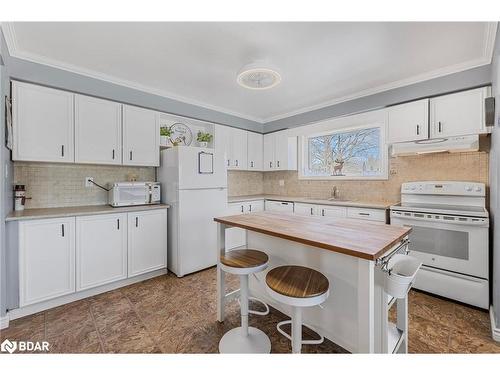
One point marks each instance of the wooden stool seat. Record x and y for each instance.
(297, 281)
(244, 258)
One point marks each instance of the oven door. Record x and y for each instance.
(457, 247)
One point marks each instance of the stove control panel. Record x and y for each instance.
(444, 188)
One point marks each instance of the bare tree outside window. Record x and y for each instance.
(353, 153)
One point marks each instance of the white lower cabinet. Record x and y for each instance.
(280, 206)
(46, 259)
(237, 237)
(373, 214)
(147, 241)
(101, 250)
(332, 211)
(367, 214)
(306, 209)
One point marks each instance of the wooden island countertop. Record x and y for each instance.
(358, 238)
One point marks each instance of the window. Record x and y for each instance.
(345, 154)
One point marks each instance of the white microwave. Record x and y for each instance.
(134, 193)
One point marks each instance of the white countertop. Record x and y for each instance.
(46, 213)
(346, 203)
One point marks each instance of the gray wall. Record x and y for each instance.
(494, 182)
(476, 77)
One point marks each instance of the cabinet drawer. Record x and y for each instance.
(366, 213)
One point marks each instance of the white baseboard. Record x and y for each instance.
(45, 305)
(4, 321)
(495, 331)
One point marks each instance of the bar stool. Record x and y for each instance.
(298, 287)
(245, 339)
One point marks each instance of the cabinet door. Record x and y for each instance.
(305, 209)
(409, 122)
(236, 237)
(269, 147)
(223, 142)
(285, 151)
(101, 250)
(141, 136)
(255, 151)
(255, 206)
(98, 131)
(43, 123)
(332, 211)
(147, 241)
(458, 114)
(46, 259)
(367, 214)
(238, 149)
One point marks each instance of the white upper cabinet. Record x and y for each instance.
(98, 131)
(42, 123)
(141, 136)
(408, 122)
(255, 151)
(233, 143)
(238, 149)
(458, 114)
(280, 151)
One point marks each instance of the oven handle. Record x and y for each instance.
(484, 223)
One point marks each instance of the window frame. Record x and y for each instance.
(384, 153)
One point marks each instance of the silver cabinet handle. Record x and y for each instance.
(113, 154)
(440, 127)
(62, 150)
(418, 129)
(228, 162)
(278, 163)
(270, 164)
(136, 221)
(250, 208)
(363, 214)
(62, 230)
(236, 162)
(242, 208)
(130, 154)
(311, 210)
(118, 224)
(323, 212)
(251, 164)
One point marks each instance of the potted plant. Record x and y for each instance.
(204, 138)
(165, 134)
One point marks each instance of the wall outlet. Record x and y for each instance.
(88, 181)
(282, 182)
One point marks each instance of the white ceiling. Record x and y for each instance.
(320, 63)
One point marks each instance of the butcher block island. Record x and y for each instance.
(353, 255)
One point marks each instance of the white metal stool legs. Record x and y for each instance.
(245, 339)
(296, 336)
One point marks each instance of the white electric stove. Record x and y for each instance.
(450, 236)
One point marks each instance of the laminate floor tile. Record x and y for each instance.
(167, 314)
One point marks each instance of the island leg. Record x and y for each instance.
(366, 306)
(221, 285)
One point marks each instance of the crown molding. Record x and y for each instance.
(488, 49)
(16, 52)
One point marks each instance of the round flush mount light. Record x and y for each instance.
(258, 76)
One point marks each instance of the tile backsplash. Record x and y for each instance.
(244, 183)
(62, 185)
(469, 166)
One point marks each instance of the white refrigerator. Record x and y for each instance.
(194, 183)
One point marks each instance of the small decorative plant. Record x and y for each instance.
(203, 138)
(165, 134)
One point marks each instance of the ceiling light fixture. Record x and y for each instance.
(258, 76)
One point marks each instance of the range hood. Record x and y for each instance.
(429, 146)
